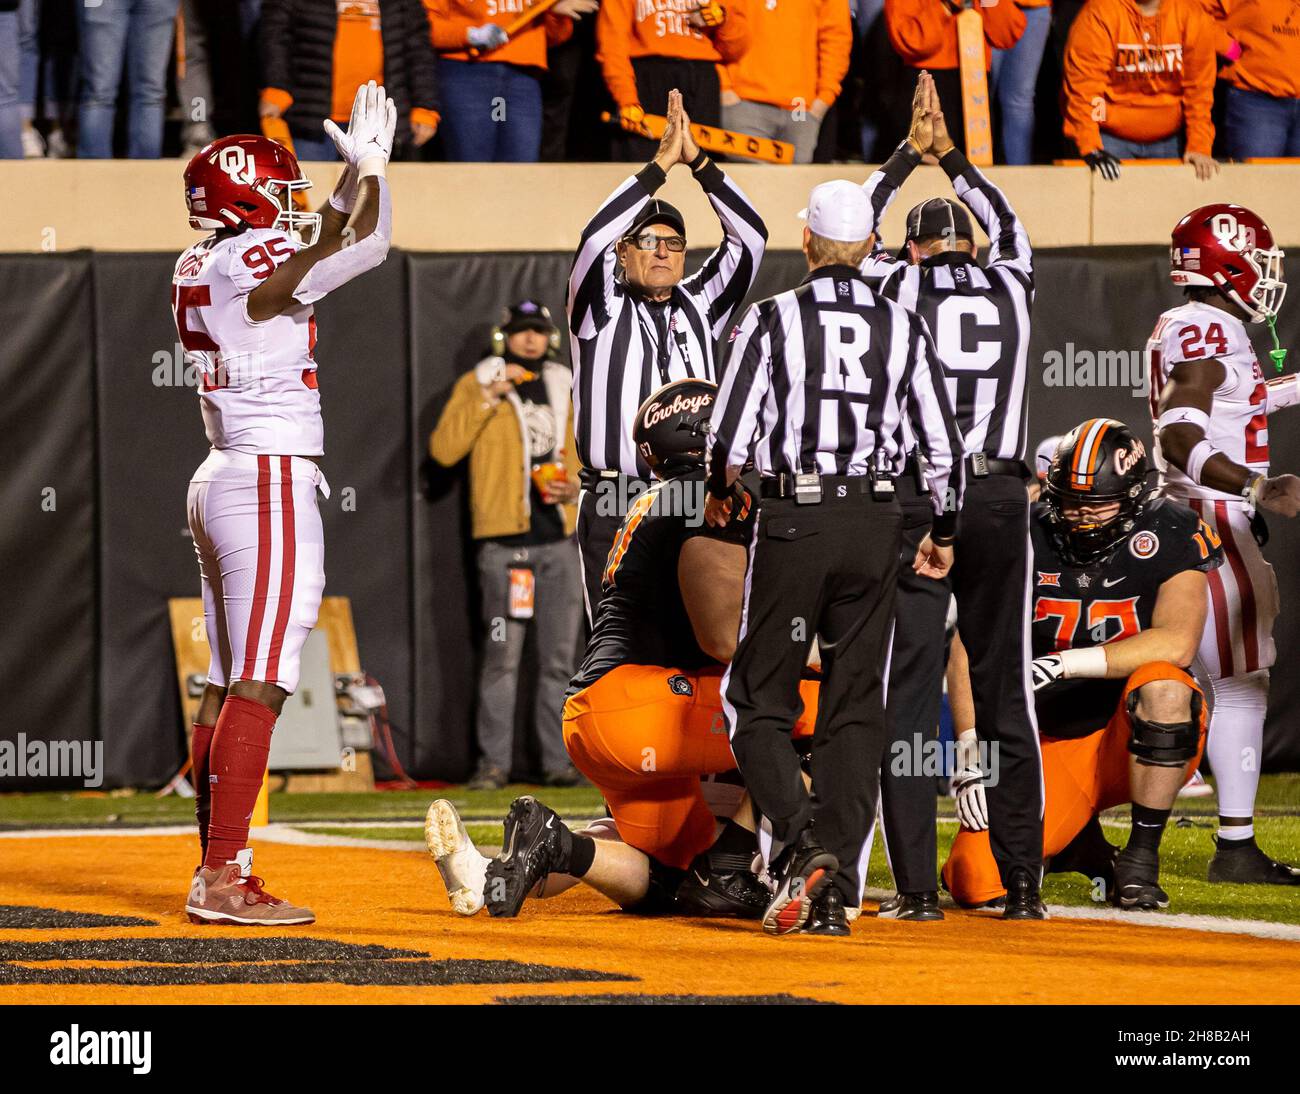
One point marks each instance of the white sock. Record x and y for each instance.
(1235, 746)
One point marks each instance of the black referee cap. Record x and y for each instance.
(939, 217)
(656, 211)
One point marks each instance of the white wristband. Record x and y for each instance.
(372, 166)
(1089, 663)
(1197, 457)
(1184, 415)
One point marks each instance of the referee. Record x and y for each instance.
(636, 324)
(979, 317)
(816, 383)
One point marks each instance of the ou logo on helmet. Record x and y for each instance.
(237, 163)
(1232, 233)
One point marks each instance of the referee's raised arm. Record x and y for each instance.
(637, 322)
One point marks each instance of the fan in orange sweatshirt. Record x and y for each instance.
(1261, 115)
(1140, 77)
(648, 47)
(791, 74)
(450, 21)
(491, 80)
(924, 35)
(924, 32)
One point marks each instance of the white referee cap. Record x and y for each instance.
(839, 210)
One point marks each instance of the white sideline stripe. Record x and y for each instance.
(1214, 924)
(1258, 928)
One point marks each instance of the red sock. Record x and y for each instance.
(200, 746)
(240, 746)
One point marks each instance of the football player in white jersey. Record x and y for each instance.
(242, 299)
(1211, 403)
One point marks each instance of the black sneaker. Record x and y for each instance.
(722, 884)
(802, 871)
(915, 907)
(1137, 882)
(534, 844)
(1023, 900)
(827, 915)
(1091, 854)
(487, 777)
(1241, 862)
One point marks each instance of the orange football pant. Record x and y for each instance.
(644, 734)
(1081, 777)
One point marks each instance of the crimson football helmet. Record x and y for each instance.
(1097, 462)
(1229, 248)
(248, 181)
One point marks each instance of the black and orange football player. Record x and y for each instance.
(643, 720)
(1118, 610)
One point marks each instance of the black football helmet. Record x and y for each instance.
(672, 427)
(1097, 462)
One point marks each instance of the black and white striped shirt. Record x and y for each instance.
(623, 346)
(819, 380)
(979, 315)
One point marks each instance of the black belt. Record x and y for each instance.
(589, 476)
(811, 489)
(980, 465)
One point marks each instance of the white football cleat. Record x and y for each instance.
(462, 868)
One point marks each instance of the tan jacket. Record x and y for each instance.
(492, 435)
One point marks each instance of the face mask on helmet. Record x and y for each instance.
(301, 224)
(1097, 464)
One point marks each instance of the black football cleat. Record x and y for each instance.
(827, 915)
(802, 871)
(1091, 854)
(1241, 862)
(1023, 900)
(914, 907)
(721, 884)
(534, 843)
(1137, 882)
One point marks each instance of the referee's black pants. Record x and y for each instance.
(827, 570)
(602, 505)
(990, 579)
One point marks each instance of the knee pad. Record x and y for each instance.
(1164, 744)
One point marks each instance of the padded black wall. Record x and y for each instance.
(84, 645)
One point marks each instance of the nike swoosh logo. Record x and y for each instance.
(702, 880)
(550, 822)
(510, 848)
(1111, 581)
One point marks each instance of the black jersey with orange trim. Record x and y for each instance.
(641, 618)
(1111, 598)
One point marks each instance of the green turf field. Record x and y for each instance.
(1185, 852)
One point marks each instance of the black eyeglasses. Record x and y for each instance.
(648, 241)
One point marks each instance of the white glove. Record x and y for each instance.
(1047, 670)
(488, 37)
(368, 143)
(490, 370)
(345, 190)
(968, 785)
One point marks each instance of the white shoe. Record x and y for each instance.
(463, 869)
(57, 146)
(33, 144)
(1196, 787)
